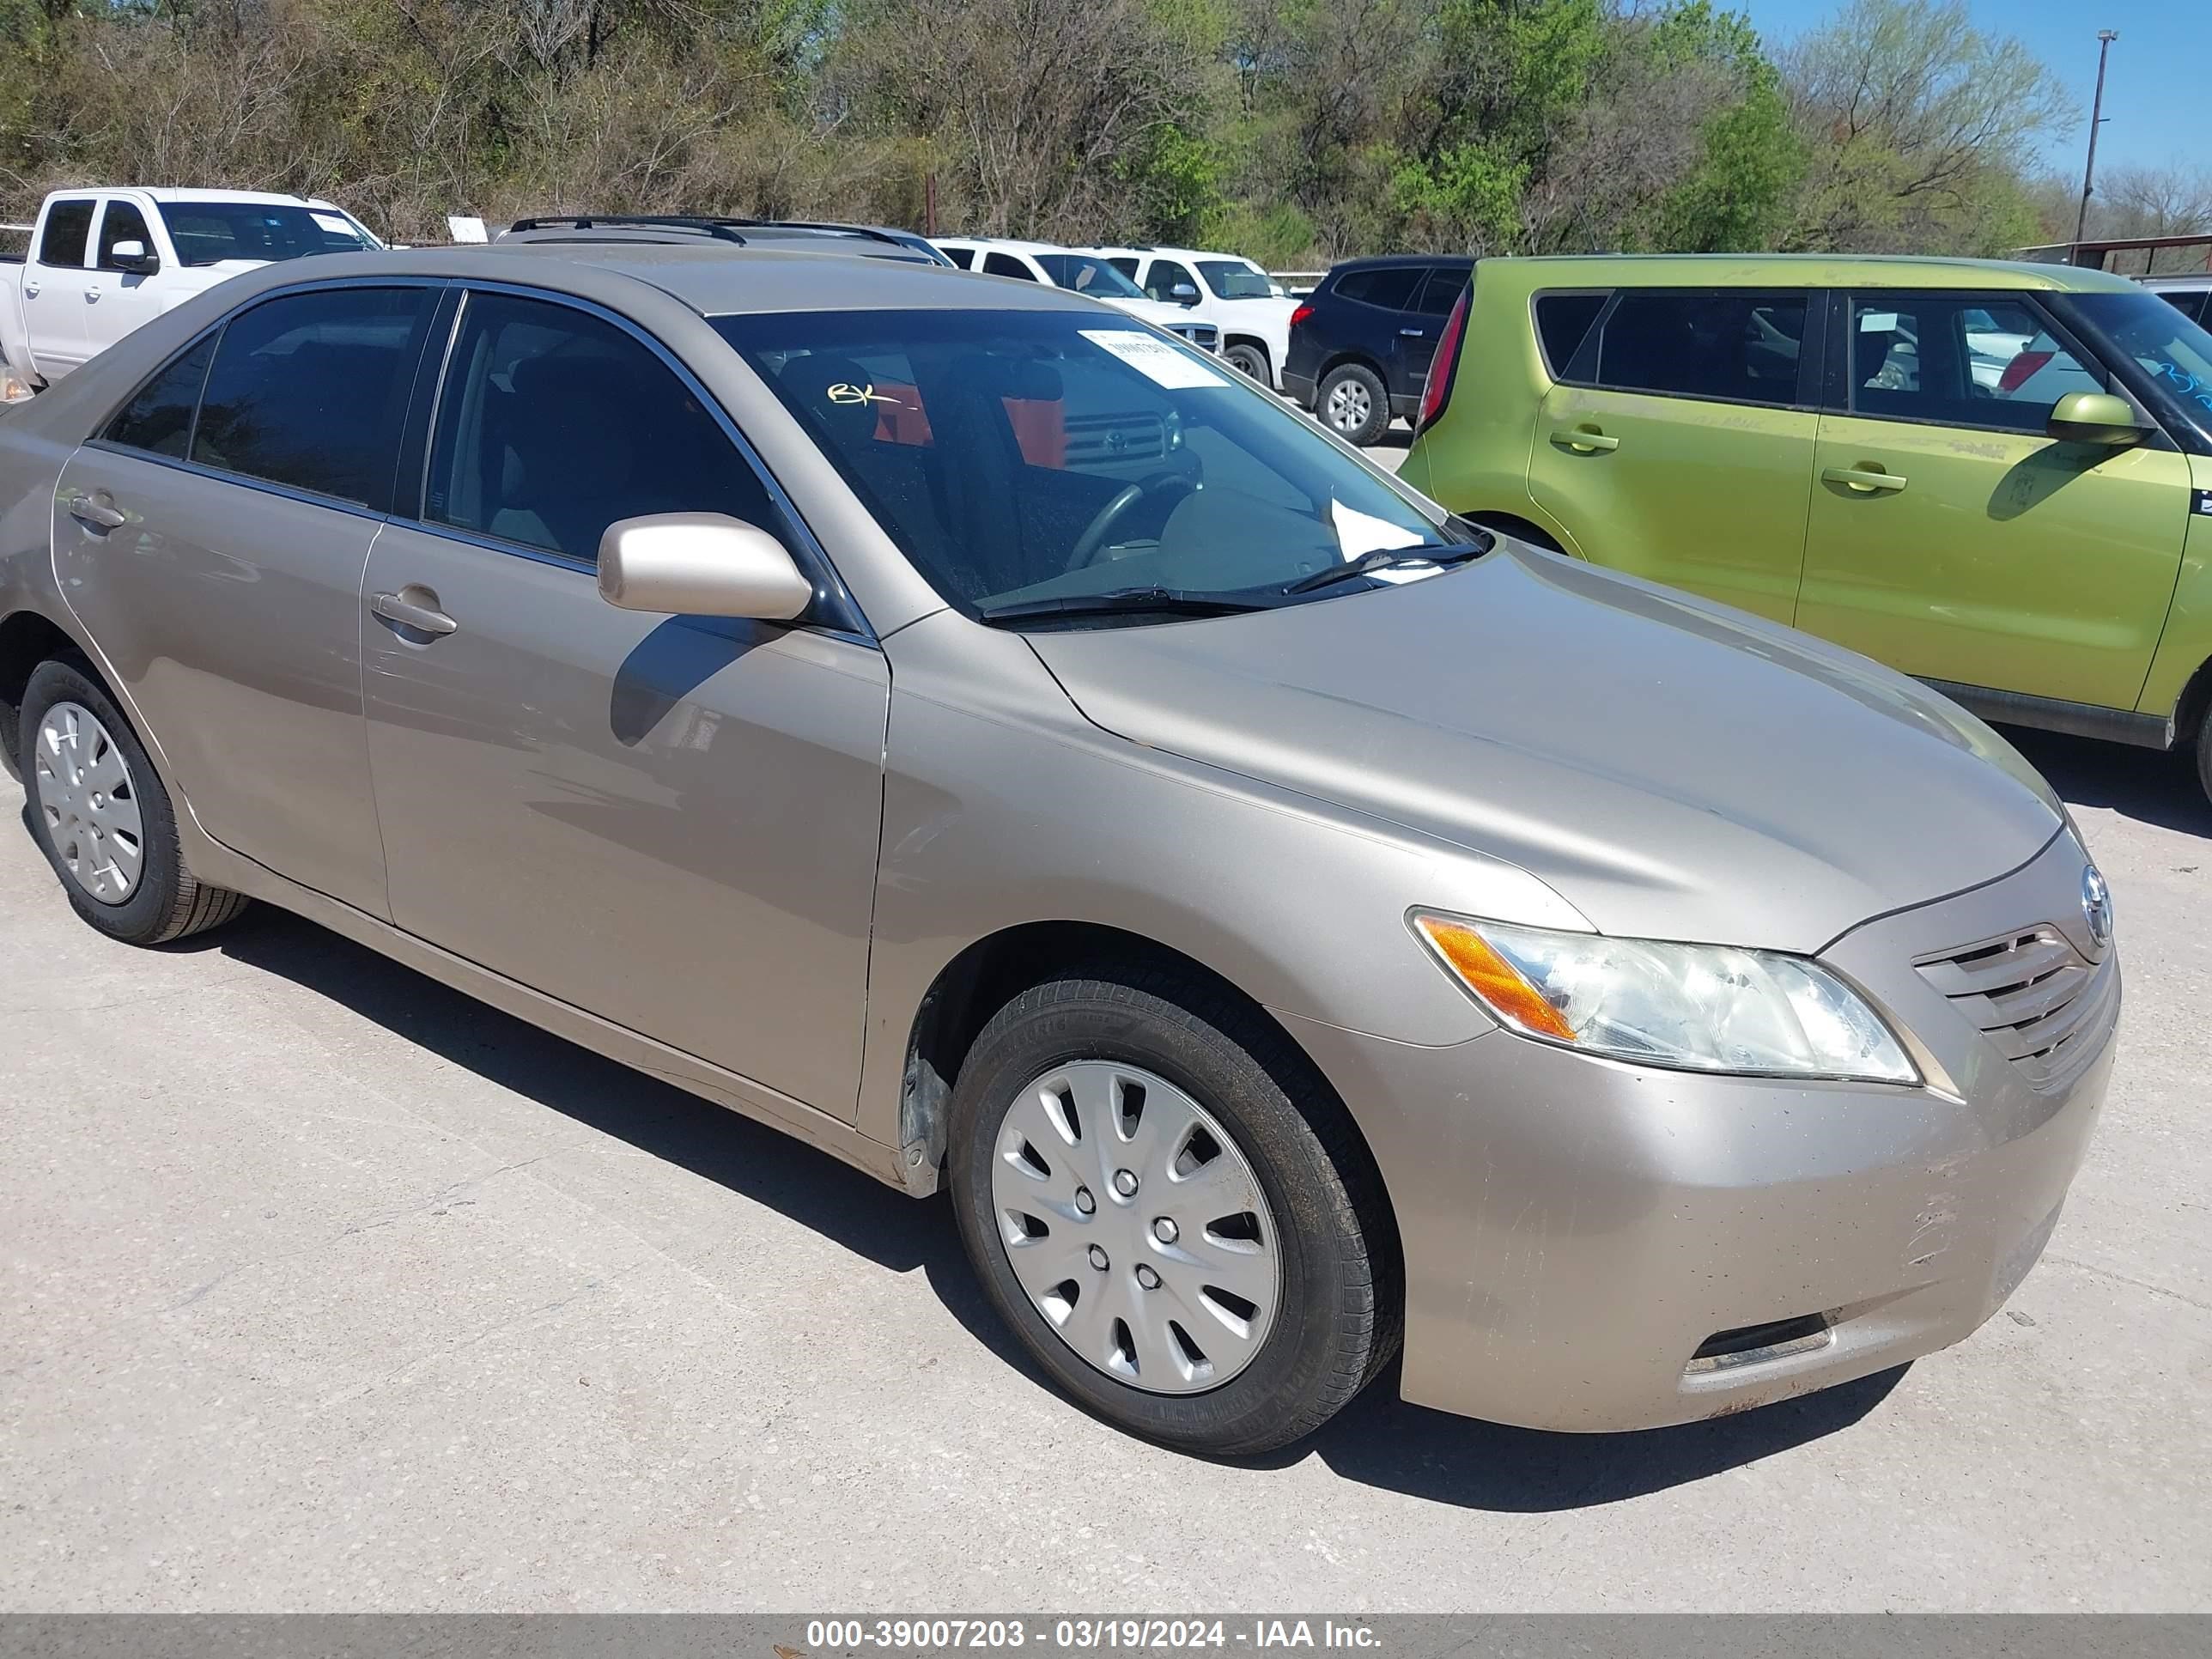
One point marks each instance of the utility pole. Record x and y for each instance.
(2104, 38)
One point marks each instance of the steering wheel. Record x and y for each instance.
(1093, 538)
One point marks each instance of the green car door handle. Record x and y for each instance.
(1583, 443)
(1852, 478)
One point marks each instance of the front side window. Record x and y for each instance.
(1232, 279)
(1085, 274)
(2171, 355)
(1024, 458)
(123, 223)
(1737, 347)
(1162, 281)
(554, 423)
(67, 231)
(1959, 360)
(208, 233)
(158, 420)
(310, 389)
(1005, 265)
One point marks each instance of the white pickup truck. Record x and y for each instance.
(100, 262)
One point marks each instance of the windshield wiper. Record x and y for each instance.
(1387, 558)
(1123, 602)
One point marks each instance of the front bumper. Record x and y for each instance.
(1575, 1230)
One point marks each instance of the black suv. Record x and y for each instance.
(1360, 344)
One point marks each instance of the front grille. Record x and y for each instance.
(2032, 994)
(1107, 440)
(1204, 336)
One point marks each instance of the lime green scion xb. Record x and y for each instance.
(1997, 477)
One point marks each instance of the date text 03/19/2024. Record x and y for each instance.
(826, 1636)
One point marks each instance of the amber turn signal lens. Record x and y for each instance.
(1493, 979)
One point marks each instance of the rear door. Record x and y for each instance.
(1951, 537)
(670, 821)
(1678, 442)
(56, 284)
(1414, 347)
(250, 474)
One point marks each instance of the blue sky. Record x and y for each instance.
(2154, 89)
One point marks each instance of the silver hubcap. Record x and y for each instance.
(1136, 1227)
(89, 803)
(1349, 406)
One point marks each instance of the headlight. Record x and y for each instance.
(1700, 1007)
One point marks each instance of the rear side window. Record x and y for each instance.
(1390, 287)
(158, 420)
(2189, 305)
(1737, 347)
(1959, 360)
(1563, 323)
(123, 223)
(553, 424)
(1126, 265)
(1005, 265)
(67, 231)
(962, 257)
(309, 391)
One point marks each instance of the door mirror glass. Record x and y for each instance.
(700, 564)
(2095, 417)
(130, 257)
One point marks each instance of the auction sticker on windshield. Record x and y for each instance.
(1156, 360)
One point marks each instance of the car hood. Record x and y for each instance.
(1158, 312)
(1672, 768)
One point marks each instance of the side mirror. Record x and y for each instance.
(132, 257)
(2095, 417)
(700, 564)
(1184, 293)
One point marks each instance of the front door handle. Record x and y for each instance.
(1584, 442)
(95, 514)
(1865, 480)
(423, 618)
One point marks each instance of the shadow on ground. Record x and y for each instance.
(1378, 1440)
(2142, 784)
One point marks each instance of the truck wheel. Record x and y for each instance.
(100, 815)
(1177, 1244)
(1353, 405)
(1250, 360)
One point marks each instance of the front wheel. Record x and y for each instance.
(1354, 404)
(1248, 360)
(99, 814)
(1178, 1244)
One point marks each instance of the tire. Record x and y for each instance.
(1249, 360)
(1353, 403)
(161, 901)
(2204, 756)
(1316, 1208)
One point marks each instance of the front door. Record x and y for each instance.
(1951, 538)
(118, 300)
(670, 822)
(1678, 445)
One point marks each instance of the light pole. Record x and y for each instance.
(2104, 38)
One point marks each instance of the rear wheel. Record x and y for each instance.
(100, 815)
(1250, 360)
(1353, 403)
(1180, 1249)
(2204, 755)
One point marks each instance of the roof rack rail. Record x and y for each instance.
(722, 229)
(832, 226)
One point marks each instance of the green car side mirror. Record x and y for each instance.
(2095, 417)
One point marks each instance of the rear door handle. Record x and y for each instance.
(1864, 480)
(1583, 443)
(92, 296)
(1414, 333)
(425, 619)
(96, 514)
(30, 290)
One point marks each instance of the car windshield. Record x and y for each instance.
(208, 233)
(1232, 279)
(1020, 457)
(2175, 353)
(1086, 275)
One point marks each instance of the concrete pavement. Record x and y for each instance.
(323, 1288)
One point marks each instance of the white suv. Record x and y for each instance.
(1078, 271)
(2190, 295)
(1228, 290)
